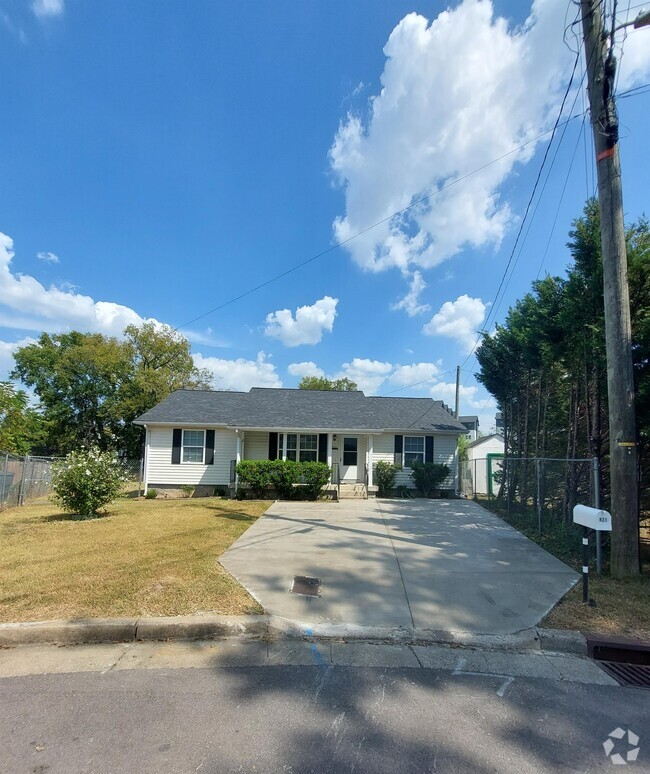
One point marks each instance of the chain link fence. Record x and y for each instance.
(27, 478)
(537, 496)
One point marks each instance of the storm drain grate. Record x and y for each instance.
(636, 675)
(308, 587)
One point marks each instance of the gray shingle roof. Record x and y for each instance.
(301, 409)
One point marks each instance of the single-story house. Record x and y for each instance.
(484, 460)
(198, 436)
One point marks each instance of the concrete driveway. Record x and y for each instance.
(434, 564)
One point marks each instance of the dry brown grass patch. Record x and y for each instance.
(142, 557)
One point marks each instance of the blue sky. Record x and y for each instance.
(161, 159)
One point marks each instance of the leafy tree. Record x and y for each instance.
(322, 383)
(76, 377)
(20, 425)
(91, 387)
(161, 362)
(546, 366)
(463, 443)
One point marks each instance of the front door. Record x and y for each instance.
(349, 458)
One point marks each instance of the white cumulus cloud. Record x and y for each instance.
(25, 304)
(470, 400)
(54, 309)
(240, 374)
(307, 368)
(456, 93)
(368, 374)
(47, 257)
(47, 7)
(307, 327)
(410, 303)
(415, 373)
(458, 320)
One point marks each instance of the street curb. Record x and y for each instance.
(95, 630)
(533, 638)
(210, 627)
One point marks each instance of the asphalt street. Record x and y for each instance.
(166, 707)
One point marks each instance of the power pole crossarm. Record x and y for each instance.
(601, 69)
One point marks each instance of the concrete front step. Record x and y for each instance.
(353, 492)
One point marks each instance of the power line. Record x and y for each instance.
(528, 206)
(343, 242)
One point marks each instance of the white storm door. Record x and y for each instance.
(349, 458)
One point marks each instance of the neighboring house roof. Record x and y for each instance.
(470, 419)
(302, 409)
(483, 439)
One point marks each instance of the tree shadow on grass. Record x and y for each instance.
(53, 517)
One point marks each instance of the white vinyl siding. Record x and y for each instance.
(444, 453)
(160, 470)
(256, 446)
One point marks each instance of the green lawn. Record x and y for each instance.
(143, 557)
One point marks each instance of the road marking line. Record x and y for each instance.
(504, 686)
(459, 666)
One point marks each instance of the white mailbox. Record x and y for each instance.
(592, 518)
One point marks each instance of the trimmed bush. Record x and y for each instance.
(151, 494)
(428, 476)
(314, 476)
(385, 473)
(256, 474)
(283, 475)
(87, 480)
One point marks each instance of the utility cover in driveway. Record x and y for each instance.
(430, 564)
(308, 587)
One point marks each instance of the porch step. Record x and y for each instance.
(353, 492)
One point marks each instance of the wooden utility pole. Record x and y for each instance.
(457, 408)
(623, 452)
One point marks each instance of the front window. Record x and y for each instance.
(193, 445)
(413, 450)
(298, 447)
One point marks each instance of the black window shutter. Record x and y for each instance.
(428, 448)
(322, 447)
(209, 447)
(273, 446)
(399, 446)
(177, 440)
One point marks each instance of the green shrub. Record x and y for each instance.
(151, 494)
(188, 489)
(256, 474)
(314, 476)
(428, 476)
(219, 491)
(385, 473)
(283, 474)
(86, 480)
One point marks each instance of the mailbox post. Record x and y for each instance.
(589, 518)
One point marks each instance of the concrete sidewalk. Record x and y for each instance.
(437, 564)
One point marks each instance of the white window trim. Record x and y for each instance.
(282, 446)
(192, 446)
(423, 452)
